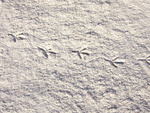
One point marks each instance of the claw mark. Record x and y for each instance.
(147, 59)
(14, 38)
(85, 53)
(79, 52)
(45, 52)
(115, 61)
(111, 62)
(119, 61)
(50, 51)
(22, 36)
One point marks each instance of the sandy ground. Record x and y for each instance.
(75, 56)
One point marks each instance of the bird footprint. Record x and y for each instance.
(21, 36)
(116, 61)
(45, 51)
(80, 52)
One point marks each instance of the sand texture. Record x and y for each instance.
(74, 56)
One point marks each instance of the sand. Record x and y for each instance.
(74, 56)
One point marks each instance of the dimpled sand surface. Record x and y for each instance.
(74, 56)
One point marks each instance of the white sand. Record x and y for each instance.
(74, 56)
